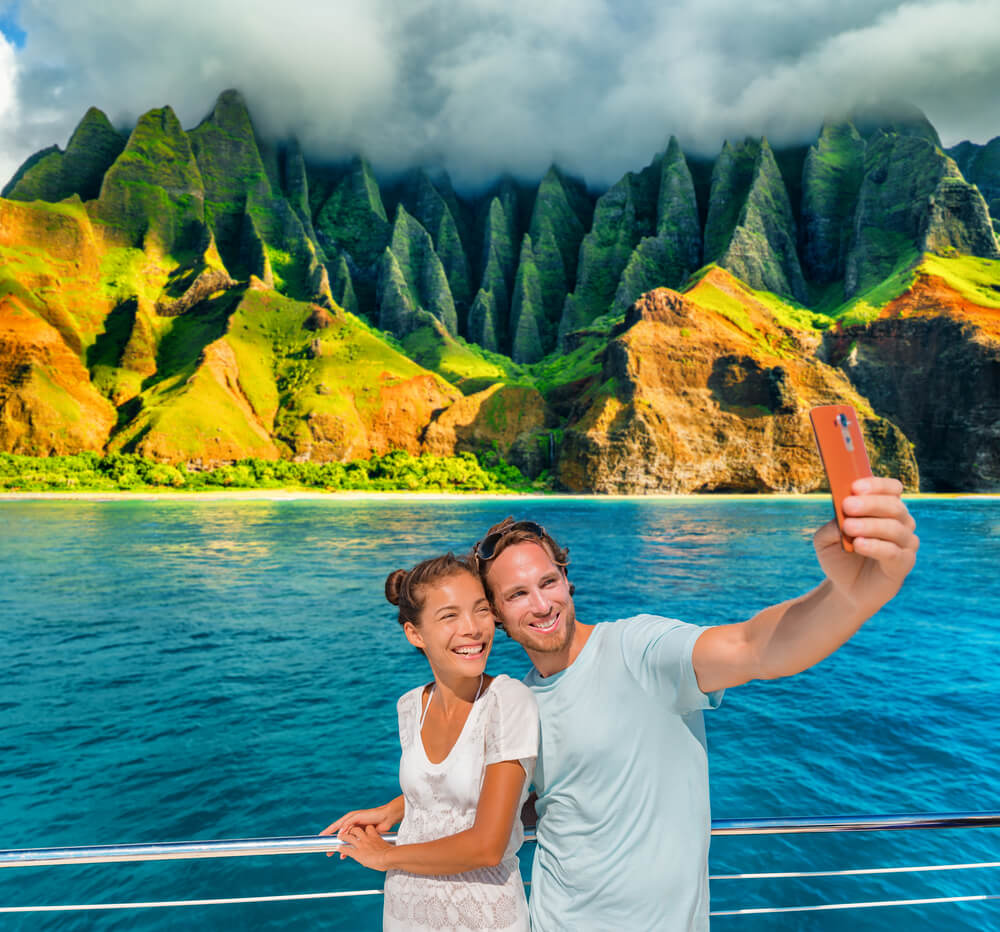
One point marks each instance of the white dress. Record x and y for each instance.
(441, 800)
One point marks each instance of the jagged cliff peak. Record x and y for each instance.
(892, 116)
(750, 228)
(53, 175)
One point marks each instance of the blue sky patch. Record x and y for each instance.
(9, 26)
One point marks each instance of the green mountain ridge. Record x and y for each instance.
(198, 236)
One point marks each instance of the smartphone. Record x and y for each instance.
(842, 450)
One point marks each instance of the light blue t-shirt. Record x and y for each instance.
(622, 782)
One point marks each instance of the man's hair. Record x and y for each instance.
(558, 555)
(407, 589)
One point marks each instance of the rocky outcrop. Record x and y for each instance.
(483, 326)
(296, 188)
(412, 280)
(352, 221)
(48, 404)
(957, 220)
(559, 220)
(424, 202)
(527, 309)
(504, 418)
(753, 235)
(894, 117)
(912, 199)
(831, 181)
(232, 172)
(932, 366)
(980, 165)
(674, 252)
(499, 259)
(692, 402)
(152, 196)
(623, 215)
(55, 175)
(342, 288)
(197, 285)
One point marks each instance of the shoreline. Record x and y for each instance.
(287, 495)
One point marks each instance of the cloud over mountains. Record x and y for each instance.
(483, 86)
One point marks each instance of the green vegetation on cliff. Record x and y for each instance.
(93, 147)
(199, 303)
(831, 181)
(153, 196)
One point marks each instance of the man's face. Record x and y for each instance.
(531, 598)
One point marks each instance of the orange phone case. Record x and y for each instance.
(842, 450)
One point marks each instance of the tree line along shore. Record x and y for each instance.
(393, 471)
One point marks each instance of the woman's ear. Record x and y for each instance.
(412, 633)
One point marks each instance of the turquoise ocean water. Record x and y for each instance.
(195, 670)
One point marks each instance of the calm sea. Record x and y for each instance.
(197, 670)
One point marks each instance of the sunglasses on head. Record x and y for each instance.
(486, 549)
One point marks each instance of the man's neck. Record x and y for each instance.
(549, 662)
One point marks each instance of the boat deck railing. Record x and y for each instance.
(314, 844)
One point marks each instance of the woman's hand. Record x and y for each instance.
(382, 818)
(365, 846)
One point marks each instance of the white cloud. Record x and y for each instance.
(483, 86)
(8, 110)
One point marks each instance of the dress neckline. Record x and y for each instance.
(465, 724)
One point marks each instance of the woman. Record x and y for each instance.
(469, 743)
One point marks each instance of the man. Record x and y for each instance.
(622, 772)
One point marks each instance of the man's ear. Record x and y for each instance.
(412, 633)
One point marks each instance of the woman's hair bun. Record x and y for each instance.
(394, 585)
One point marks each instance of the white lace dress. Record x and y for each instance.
(441, 800)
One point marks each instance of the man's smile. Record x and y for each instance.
(546, 625)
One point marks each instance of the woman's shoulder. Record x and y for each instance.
(508, 691)
(412, 697)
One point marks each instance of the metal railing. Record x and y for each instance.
(313, 844)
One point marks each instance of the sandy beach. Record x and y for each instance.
(287, 495)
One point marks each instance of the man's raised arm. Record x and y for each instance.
(792, 636)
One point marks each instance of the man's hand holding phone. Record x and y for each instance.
(870, 546)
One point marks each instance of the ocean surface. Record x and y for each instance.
(183, 670)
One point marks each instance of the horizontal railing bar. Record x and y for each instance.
(173, 850)
(856, 823)
(313, 844)
(870, 904)
(159, 904)
(858, 871)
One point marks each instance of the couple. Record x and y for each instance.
(620, 767)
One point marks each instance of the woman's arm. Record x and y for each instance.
(483, 845)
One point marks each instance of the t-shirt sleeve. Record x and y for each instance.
(512, 725)
(659, 651)
(404, 718)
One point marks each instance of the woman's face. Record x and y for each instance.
(456, 626)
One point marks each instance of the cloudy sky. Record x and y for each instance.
(484, 86)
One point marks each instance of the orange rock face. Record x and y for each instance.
(931, 364)
(697, 400)
(503, 416)
(389, 414)
(48, 405)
